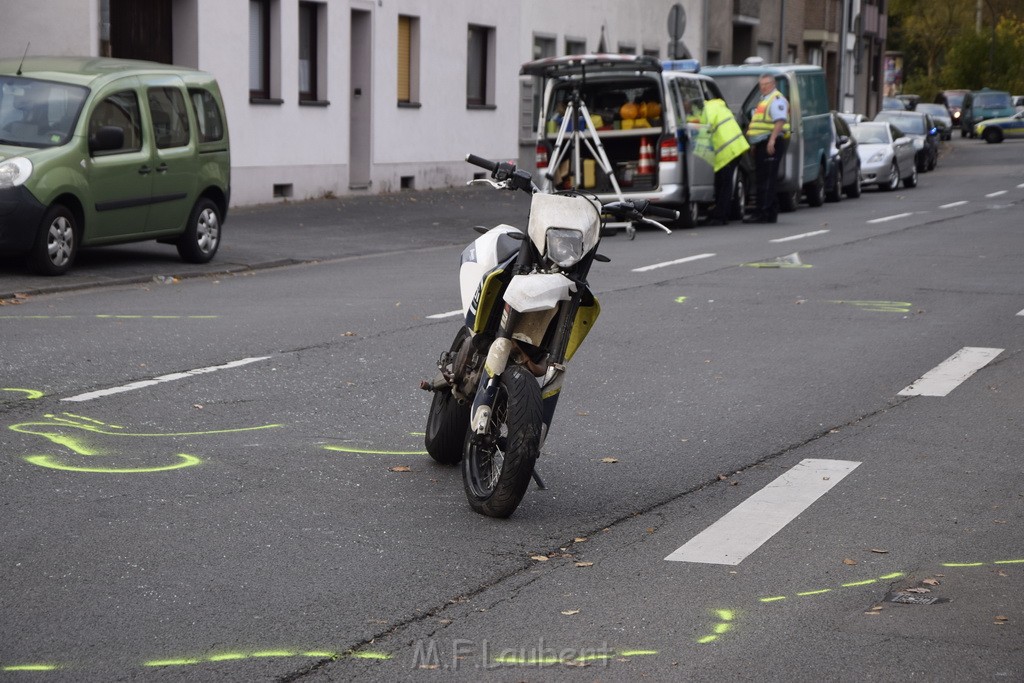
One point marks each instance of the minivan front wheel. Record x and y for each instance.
(56, 242)
(201, 238)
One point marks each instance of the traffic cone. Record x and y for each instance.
(646, 164)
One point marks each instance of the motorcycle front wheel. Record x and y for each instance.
(448, 420)
(496, 468)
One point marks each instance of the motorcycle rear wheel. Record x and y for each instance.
(448, 420)
(496, 469)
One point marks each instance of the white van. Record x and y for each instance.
(637, 110)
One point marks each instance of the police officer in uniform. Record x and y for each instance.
(728, 145)
(768, 134)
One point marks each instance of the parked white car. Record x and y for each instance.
(886, 155)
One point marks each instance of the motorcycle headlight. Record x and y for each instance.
(14, 171)
(564, 246)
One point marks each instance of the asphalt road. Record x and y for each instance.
(205, 478)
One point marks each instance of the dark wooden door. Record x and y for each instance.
(141, 29)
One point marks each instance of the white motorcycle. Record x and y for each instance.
(528, 308)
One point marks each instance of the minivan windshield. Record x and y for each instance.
(993, 100)
(36, 113)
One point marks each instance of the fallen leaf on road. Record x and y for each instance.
(849, 561)
(539, 558)
(609, 459)
(570, 612)
(931, 582)
(1002, 620)
(876, 550)
(584, 564)
(400, 468)
(918, 590)
(580, 539)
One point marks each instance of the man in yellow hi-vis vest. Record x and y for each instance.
(729, 145)
(768, 135)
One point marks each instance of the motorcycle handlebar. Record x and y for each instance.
(491, 166)
(631, 210)
(505, 172)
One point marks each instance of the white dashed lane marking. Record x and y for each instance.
(672, 263)
(952, 372)
(750, 524)
(890, 218)
(88, 396)
(800, 236)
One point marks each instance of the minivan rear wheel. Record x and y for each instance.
(56, 242)
(201, 238)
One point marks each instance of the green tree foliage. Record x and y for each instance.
(944, 48)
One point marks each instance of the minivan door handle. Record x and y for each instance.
(162, 168)
(145, 170)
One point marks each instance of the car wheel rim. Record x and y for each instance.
(207, 231)
(60, 240)
(894, 177)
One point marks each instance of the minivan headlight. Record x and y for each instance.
(14, 171)
(564, 246)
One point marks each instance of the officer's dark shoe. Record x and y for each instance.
(753, 218)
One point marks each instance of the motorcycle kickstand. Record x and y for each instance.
(536, 477)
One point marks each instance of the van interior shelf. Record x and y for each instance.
(618, 133)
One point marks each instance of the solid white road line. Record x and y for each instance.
(672, 263)
(449, 314)
(890, 218)
(799, 237)
(950, 373)
(1021, 313)
(995, 194)
(950, 206)
(163, 378)
(746, 527)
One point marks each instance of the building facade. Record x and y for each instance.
(332, 97)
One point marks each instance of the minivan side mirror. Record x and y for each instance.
(107, 138)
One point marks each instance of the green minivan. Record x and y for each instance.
(98, 151)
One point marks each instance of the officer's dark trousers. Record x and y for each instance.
(723, 191)
(766, 172)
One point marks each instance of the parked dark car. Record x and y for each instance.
(954, 101)
(940, 115)
(843, 172)
(922, 130)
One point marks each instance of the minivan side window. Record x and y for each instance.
(120, 110)
(211, 123)
(813, 98)
(170, 118)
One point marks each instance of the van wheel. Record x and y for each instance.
(816, 189)
(201, 238)
(739, 199)
(56, 242)
(688, 214)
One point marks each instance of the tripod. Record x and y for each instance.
(573, 141)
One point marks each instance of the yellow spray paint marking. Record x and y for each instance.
(236, 656)
(680, 299)
(821, 591)
(80, 446)
(29, 393)
(879, 306)
(30, 667)
(725, 617)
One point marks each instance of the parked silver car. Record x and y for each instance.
(886, 155)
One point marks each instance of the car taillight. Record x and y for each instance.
(668, 150)
(542, 155)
